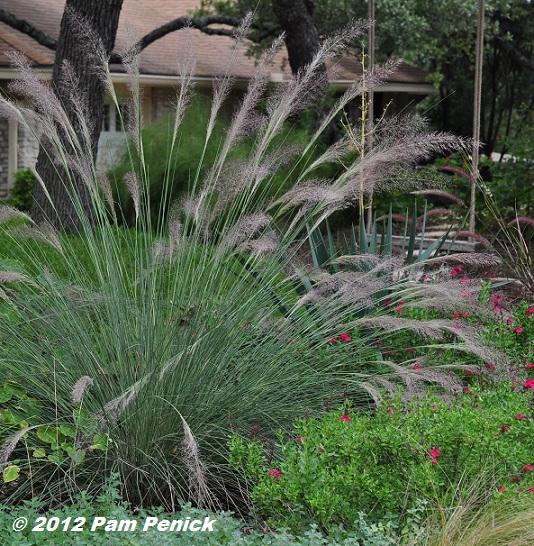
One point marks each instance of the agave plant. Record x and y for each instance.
(142, 348)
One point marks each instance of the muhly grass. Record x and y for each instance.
(170, 335)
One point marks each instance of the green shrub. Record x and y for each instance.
(172, 170)
(20, 195)
(327, 470)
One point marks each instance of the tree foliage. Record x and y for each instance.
(439, 37)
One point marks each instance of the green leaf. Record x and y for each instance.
(48, 435)
(15, 389)
(39, 453)
(101, 441)
(11, 473)
(78, 456)
(67, 447)
(56, 457)
(68, 431)
(5, 395)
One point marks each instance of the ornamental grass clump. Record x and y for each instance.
(157, 340)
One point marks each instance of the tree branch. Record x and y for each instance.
(520, 59)
(23, 26)
(200, 23)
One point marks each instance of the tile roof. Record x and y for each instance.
(138, 17)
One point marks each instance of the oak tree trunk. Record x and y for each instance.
(301, 37)
(102, 16)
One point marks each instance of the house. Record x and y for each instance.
(158, 70)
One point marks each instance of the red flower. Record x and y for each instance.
(501, 489)
(528, 467)
(299, 439)
(434, 452)
(458, 327)
(454, 272)
(467, 390)
(399, 309)
(529, 366)
(529, 384)
(519, 330)
(521, 416)
(433, 406)
(275, 473)
(345, 337)
(456, 314)
(505, 429)
(531, 489)
(464, 314)
(417, 367)
(345, 418)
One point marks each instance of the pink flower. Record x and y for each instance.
(454, 272)
(529, 384)
(458, 327)
(275, 473)
(456, 314)
(529, 366)
(468, 372)
(434, 460)
(467, 390)
(531, 489)
(388, 303)
(519, 330)
(464, 279)
(345, 418)
(434, 452)
(345, 337)
(528, 467)
(501, 489)
(464, 314)
(299, 439)
(505, 429)
(399, 309)
(433, 406)
(521, 416)
(417, 367)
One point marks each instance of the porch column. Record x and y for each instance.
(12, 153)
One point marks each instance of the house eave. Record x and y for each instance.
(166, 80)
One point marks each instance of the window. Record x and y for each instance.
(111, 121)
